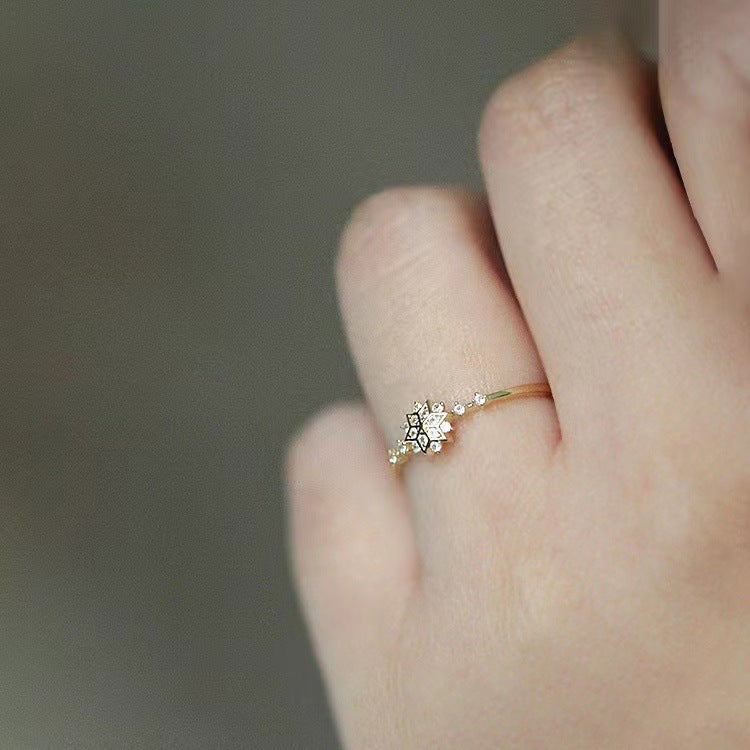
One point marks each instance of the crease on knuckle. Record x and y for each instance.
(711, 69)
(385, 234)
(559, 100)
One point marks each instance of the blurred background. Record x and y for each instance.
(173, 179)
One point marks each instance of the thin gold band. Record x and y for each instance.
(428, 427)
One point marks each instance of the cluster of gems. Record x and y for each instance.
(427, 427)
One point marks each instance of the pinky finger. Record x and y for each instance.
(352, 542)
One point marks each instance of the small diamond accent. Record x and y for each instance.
(424, 426)
(430, 424)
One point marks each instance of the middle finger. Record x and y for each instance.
(596, 230)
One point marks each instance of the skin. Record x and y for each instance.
(576, 573)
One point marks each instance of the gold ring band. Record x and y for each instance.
(428, 427)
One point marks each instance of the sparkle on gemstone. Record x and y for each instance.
(459, 409)
(480, 399)
(436, 446)
(424, 426)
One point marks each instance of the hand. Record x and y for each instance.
(576, 573)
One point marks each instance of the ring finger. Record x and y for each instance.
(429, 314)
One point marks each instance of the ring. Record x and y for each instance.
(428, 428)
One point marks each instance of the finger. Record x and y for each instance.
(352, 543)
(425, 308)
(596, 233)
(705, 81)
(429, 316)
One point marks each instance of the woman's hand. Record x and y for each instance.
(576, 573)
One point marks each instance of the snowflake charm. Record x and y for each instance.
(426, 428)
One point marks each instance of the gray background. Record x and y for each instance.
(173, 178)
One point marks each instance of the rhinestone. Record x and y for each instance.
(446, 426)
(480, 399)
(393, 459)
(436, 446)
(438, 407)
(459, 409)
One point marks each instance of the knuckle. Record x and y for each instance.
(312, 444)
(559, 99)
(713, 65)
(384, 231)
(313, 509)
